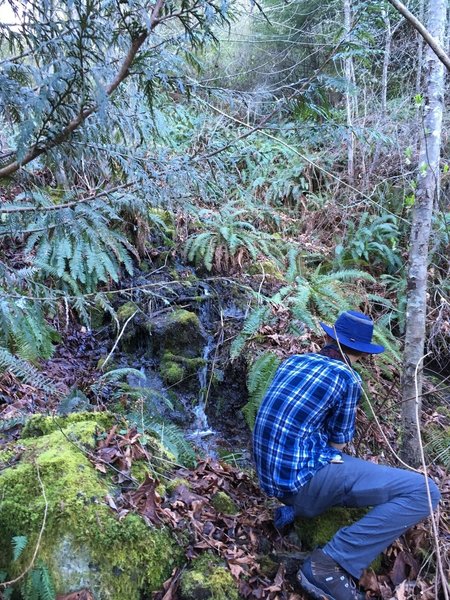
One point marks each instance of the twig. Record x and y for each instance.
(375, 416)
(118, 339)
(6, 584)
(17, 209)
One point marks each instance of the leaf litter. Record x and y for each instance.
(245, 539)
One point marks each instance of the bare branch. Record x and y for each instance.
(429, 39)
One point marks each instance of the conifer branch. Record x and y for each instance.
(22, 209)
(67, 131)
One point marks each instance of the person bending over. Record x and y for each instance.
(304, 422)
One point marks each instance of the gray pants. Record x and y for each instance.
(398, 497)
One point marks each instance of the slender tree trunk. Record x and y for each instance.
(386, 61)
(349, 76)
(419, 50)
(427, 192)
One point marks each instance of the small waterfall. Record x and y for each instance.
(201, 428)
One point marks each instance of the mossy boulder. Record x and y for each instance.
(319, 530)
(179, 333)
(208, 579)
(84, 544)
(264, 268)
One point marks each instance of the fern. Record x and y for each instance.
(74, 401)
(259, 377)
(23, 328)
(38, 585)
(308, 297)
(19, 543)
(227, 240)
(251, 325)
(438, 445)
(24, 371)
(170, 437)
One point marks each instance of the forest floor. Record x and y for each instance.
(263, 560)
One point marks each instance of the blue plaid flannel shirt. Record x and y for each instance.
(311, 401)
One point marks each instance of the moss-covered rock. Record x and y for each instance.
(319, 530)
(82, 424)
(127, 310)
(208, 579)
(84, 544)
(180, 333)
(264, 268)
(175, 369)
(224, 504)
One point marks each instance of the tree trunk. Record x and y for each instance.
(419, 50)
(349, 76)
(427, 192)
(386, 61)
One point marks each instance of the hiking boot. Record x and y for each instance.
(324, 579)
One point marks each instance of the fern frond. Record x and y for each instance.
(19, 543)
(259, 377)
(438, 445)
(24, 371)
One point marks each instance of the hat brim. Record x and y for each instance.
(359, 346)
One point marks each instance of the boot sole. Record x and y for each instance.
(312, 590)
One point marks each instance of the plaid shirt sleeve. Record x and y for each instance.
(340, 425)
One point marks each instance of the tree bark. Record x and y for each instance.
(349, 76)
(427, 193)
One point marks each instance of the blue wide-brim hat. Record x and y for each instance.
(354, 330)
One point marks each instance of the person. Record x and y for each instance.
(306, 418)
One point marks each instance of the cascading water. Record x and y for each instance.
(201, 428)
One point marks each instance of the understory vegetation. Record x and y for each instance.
(255, 166)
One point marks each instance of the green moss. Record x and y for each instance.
(183, 334)
(208, 579)
(174, 483)
(126, 311)
(171, 372)
(224, 504)
(139, 470)
(84, 544)
(85, 424)
(184, 317)
(174, 368)
(319, 530)
(264, 268)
